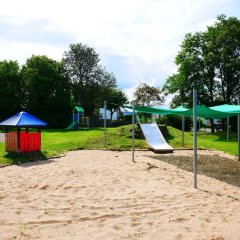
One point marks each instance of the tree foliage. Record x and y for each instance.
(210, 61)
(11, 89)
(90, 81)
(116, 100)
(146, 95)
(47, 90)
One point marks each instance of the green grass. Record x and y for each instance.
(57, 142)
(216, 141)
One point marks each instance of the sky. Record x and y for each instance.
(137, 40)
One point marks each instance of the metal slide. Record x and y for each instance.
(71, 126)
(154, 138)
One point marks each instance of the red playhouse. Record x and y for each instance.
(23, 141)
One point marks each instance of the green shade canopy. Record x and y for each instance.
(79, 109)
(227, 108)
(202, 111)
(205, 112)
(158, 110)
(180, 108)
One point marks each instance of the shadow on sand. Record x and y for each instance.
(28, 159)
(214, 166)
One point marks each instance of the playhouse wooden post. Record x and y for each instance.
(18, 139)
(40, 139)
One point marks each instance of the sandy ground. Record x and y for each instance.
(103, 195)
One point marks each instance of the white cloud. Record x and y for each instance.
(145, 33)
(21, 51)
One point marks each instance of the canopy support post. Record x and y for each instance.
(133, 131)
(195, 137)
(239, 131)
(78, 120)
(227, 129)
(183, 129)
(105, 123)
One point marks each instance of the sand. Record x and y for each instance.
(103, 195)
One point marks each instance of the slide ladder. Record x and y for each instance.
(154, 137)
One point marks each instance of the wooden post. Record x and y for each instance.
(39, 131)
(18, 139)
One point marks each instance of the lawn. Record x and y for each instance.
(216, 141)
(57, 142)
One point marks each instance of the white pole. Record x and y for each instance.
(227, 129)
(133, 132)
(105, 123)
(239, 132)
(195, 137)
(183, 129)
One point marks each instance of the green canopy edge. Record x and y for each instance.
(217, 112)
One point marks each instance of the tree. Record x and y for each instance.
(89, 79)
(195, 69)
(116, 100)
(47, 90)
(225, 39)
(11, 89)
(209, 61)
(148, 96)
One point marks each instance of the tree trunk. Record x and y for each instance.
(145, 117)
(111, 112)
(212, 126)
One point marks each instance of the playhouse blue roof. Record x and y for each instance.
(23, 119)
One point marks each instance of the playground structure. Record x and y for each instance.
(217, 112)
(21, 142)
(154, 137)
(78, 120)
